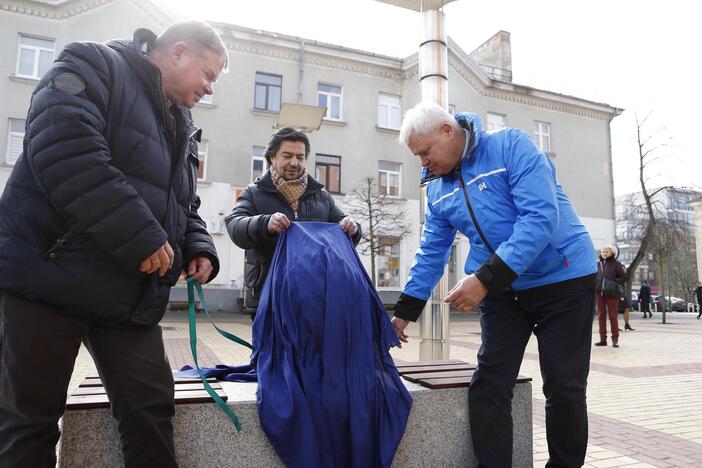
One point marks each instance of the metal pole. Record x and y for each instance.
(433, 77)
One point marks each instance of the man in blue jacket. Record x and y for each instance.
(531, 268)
(97, 222)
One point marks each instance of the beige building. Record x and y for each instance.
(365, 94)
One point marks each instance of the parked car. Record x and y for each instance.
(677, 304)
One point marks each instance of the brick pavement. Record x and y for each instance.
(644, 398)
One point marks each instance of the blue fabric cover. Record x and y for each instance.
(329, 394)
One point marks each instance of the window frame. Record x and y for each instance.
(202, 156)
(10, 135)
(329, 95)
(36, 53)
(388, 124)
(488, 122)
(327, 165)
(266, 96)
(256, 157)
(540, 136)
(397, 244)
(388, 172)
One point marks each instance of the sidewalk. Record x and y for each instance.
(644, 398)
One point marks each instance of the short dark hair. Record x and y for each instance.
(285, 134)
(196, 34)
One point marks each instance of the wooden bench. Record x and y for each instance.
(182, 305)
(91, 394)
(437, 433)
(442, 374)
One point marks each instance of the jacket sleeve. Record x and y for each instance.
(198, 241)
(246, 227)
(428, 266)
(70, 158)
(336, 215)
(533, 188)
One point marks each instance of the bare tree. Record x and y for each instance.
(384, 220)
(656, 233)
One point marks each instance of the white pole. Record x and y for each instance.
(433, 78)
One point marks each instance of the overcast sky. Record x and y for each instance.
(643, 56)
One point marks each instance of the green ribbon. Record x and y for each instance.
(193, 285)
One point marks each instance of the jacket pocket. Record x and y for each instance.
(62, 244)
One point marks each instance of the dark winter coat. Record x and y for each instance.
(645, 294)
(611, 269)
(106, 177)
(247, 225)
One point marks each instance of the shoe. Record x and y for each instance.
(620, 329)
(615, 344)
(601, 343)
(628, 327)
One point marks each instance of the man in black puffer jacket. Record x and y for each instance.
(97, 222)
(266, 207)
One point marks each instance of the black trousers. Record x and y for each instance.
(38, 348)
(563, 327)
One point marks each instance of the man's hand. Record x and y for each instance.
(278, 223)
(161, 260)
(200, 268)
(467, 293)
(348, 225)
(400, 325)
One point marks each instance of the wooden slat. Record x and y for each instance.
(439, 368)
(100, 401)
(429, 363)
(179, 387)
(456, 382)
(442, 375)
(94, 381)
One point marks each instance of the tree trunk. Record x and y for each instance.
(371, 230)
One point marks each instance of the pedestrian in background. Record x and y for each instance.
(698, 296)
(610, 282)
(645, 299)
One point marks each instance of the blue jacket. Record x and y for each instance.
(524, 214)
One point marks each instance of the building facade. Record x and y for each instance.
(365, 95)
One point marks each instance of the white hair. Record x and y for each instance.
(423, 118)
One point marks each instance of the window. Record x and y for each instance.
(388, 268)
(202, 156)
(328, 172)
(542, 135)
(15, 135)
(259, 165)
(268, 92)
(389, 111)
(389, 178)
(206, 99)
(495, 121)
(34, 56)
(329, 96)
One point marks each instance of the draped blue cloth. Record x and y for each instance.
(329, 394)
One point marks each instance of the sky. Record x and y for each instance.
(642, 56)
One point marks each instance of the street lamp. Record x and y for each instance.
(433, 79)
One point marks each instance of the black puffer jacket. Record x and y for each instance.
(247, 225)
(106, 177)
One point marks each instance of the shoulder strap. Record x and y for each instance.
(472, 214)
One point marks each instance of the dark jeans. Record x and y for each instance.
(38, 348)
(563, 327)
